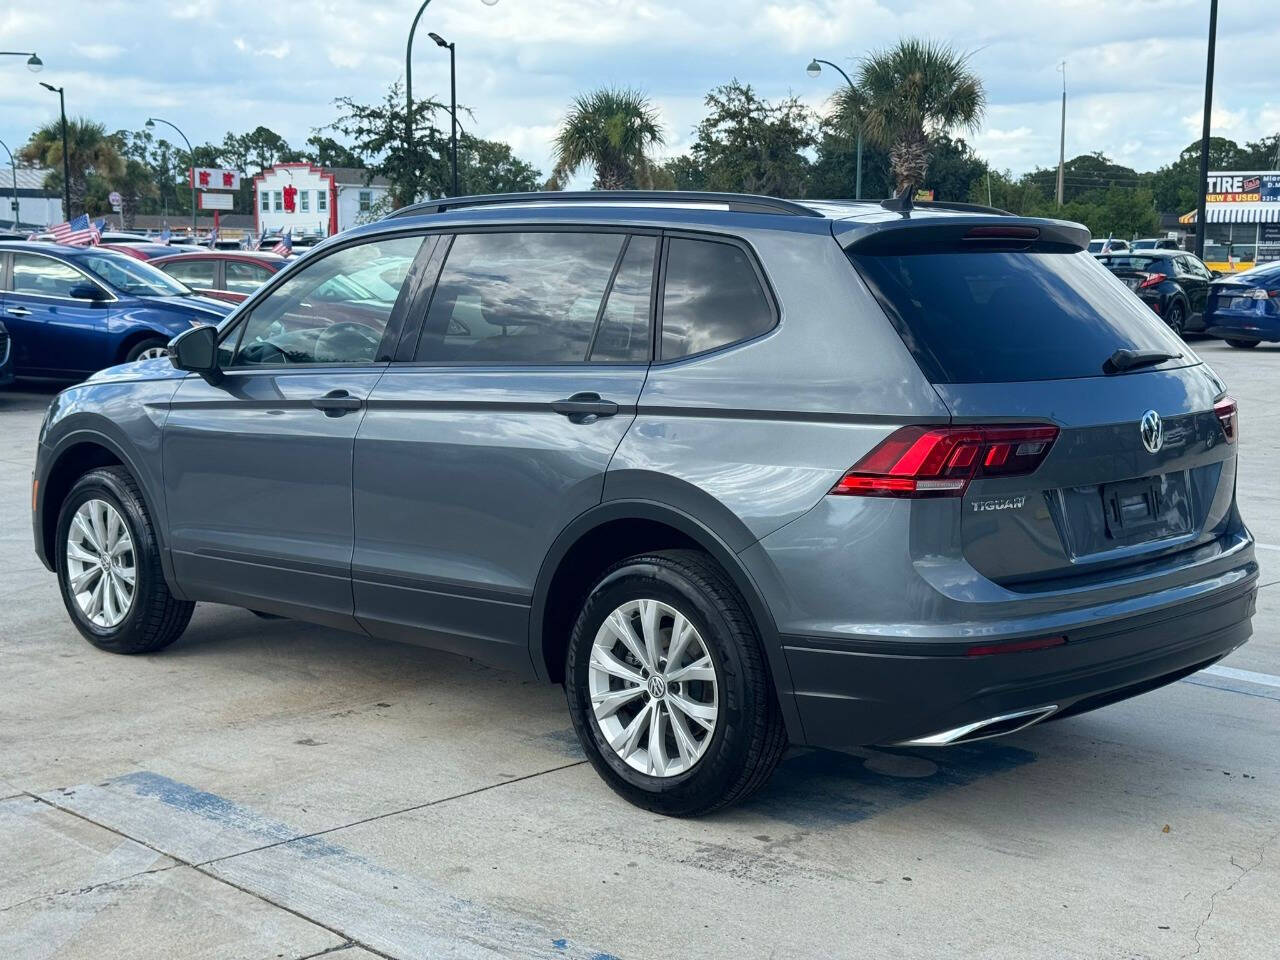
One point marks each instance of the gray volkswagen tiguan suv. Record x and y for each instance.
(738, 472)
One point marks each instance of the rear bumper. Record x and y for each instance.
(887, 692)
(1245, 328)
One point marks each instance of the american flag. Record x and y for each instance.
(78, 233)
(98, 226)
(285, 245)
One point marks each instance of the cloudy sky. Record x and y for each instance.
(1134, 68)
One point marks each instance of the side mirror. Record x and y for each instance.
(1215, 273)
(88, 291)
(196, 351)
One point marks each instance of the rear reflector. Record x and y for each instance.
(1228, 415)
(940, 461)
(1015, 646)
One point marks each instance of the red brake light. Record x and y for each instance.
(940, 461)
(1227, 413)
(1152, 280)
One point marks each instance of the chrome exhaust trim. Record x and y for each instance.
(1006, 722)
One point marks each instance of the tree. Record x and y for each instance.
(136, 181)
(613, 130)
(489, 166)
(90, 151)
(834, 174)
(907, 94)
(376, 134)
(327, 152)
(747, 144)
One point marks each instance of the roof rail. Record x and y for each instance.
(740, 202)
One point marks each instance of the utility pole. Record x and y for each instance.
(1204, 132)
(1062, 138)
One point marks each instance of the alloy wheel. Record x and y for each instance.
(151, 353)
(653, 688)
(101, 563)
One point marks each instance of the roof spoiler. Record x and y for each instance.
(962, 231)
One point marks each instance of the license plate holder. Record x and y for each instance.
(1132, 507)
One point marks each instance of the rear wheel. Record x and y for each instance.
(148, 349)
(1176, 318)
(668, 687)
(1241, 344)
(109, 570)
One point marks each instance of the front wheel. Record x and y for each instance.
(108, 564)
(668, 688)
(1241, 344)
(148, 349)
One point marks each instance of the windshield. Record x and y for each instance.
(132, 276)
(988, 317)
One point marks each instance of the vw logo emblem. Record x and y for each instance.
(657, 687)
(1152, 431)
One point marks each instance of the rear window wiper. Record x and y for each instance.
(1123, 360)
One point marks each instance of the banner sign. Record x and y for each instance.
(215, 201)
(1261, 187)
(214, 178)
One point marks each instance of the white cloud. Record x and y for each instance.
(97, 51)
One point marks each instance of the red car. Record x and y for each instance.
(147, 250)
(229, 275)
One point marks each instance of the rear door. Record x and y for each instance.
(495, 430)
(1194, 277)
(1022, 337)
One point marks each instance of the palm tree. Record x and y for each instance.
(90, 150)
(613, 130)
(906, 94)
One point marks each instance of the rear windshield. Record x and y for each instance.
(1113, 262)
(1000, 317)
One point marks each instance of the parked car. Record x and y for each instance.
(1096, 247)
(1155, 243)
(13, 235)
(6, 357)
(73, 310)
(110, 237)
(149, 250)
(1244, 308)
(1174, 285)
(224, 274)
(737, 471)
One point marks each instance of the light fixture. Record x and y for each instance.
(35, 64)
(440, 41)
(814, 69)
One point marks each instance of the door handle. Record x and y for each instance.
(336, 402)
(585, 407)
(18, 312)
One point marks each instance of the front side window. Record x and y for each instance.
(536, 298)
(194, 273)
(334, 310)
(712, 298)
(44, 276)
(244, 277)
(134, 277)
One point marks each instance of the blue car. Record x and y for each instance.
(71, 311)
(1244, 309)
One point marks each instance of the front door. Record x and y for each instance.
(257, 466)
(495, 432)
(55, 333)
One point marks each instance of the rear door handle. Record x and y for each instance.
(336, 402)
(585, 407)
(18, 312)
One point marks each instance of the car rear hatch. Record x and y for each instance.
(1136, 272)
(1085, 436)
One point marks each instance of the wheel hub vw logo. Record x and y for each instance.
(1152, 431)
(657, 687)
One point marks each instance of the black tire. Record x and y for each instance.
(749, 736)
(142, 346)
(1176, 318)
(156, 617)
(1241, 344)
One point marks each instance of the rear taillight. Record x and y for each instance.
(940, 461)
(1257, 293)
(1227, 414)
(1152, 279)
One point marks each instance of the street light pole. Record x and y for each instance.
(151, 123)
(453, 106)
(1062, 139)
(66, 157)
(1204, 132)
(34, 63)
(814, 69)
(14, 167)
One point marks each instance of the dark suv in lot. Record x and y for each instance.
(737, 471)
(1173, 284)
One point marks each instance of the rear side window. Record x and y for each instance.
(1000, 317)
(194, 273)
(540, 297)
(244, 277)
(712, 297)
